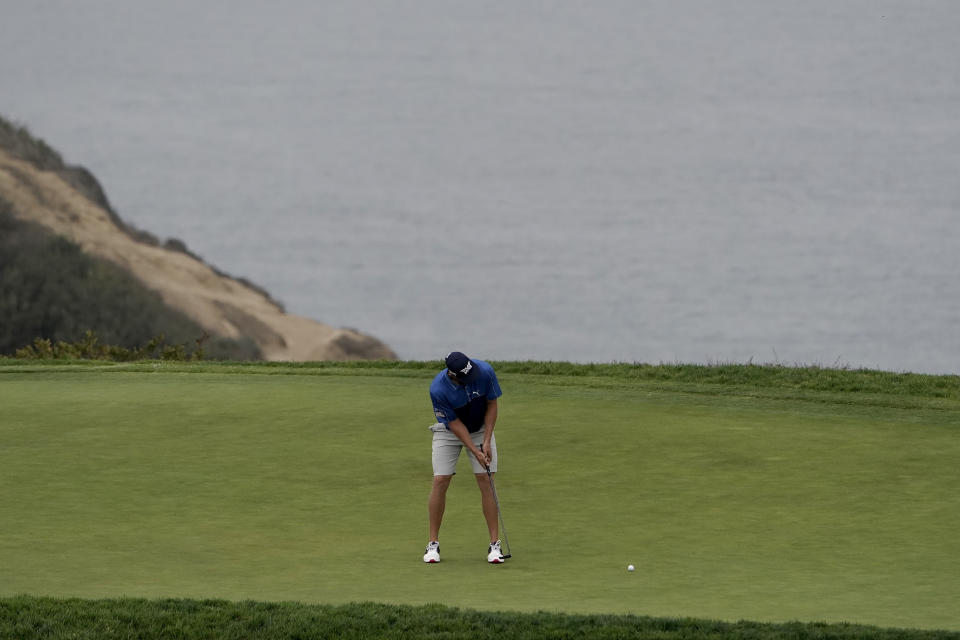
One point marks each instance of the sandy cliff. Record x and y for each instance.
(221, 304)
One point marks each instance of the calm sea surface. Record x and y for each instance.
(691, 181)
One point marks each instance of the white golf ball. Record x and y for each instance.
(629, 567)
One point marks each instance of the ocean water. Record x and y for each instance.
(689, 181)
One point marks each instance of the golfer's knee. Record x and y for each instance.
(440, 483)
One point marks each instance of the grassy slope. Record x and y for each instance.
(759, 493)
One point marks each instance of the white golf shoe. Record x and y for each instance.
(432, 552)
(494, 554)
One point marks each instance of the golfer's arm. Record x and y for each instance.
(460, 430)
(490, 419)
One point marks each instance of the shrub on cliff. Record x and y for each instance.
(50, 289)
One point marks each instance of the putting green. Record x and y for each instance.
(292, 486)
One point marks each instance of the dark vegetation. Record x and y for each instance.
(29, 618)
(52, 292)
(90, 348)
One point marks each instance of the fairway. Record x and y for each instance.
(310, 485)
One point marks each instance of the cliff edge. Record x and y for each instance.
(68, 201)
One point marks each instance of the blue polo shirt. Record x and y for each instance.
(466, 402)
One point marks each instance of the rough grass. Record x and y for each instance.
(27, 618)
(803, 383)
(769, 376)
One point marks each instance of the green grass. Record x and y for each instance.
(766, 495)
(27, 618)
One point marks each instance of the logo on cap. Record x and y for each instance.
(460, 366)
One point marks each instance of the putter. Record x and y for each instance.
(503, 529)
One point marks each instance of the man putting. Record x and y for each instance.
(464, 397)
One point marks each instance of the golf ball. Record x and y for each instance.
(629, 567)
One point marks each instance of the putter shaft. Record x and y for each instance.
(503, 529)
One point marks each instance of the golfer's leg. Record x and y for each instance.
(437, 504)
(489, 506)
(446, 450)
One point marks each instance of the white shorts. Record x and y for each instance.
(446, 451)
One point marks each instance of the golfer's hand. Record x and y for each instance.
(485, 457)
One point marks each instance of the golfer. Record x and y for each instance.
(464, 397)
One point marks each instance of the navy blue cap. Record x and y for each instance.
(460, 365)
